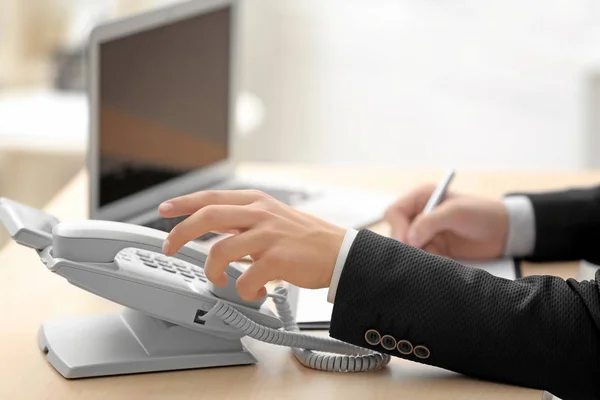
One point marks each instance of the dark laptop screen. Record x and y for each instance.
(164, 103)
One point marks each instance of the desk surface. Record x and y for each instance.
(30, 295)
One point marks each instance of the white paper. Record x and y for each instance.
(313, 306)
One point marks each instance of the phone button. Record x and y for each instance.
(150, 264)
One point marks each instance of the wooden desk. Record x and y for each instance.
(30, 295)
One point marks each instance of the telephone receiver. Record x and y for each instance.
(174, 318)
(100, 242)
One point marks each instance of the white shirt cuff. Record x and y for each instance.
(521, 226)
(339, 264)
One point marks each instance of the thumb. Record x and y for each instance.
(426, 226)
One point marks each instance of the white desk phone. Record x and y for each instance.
(174, 318)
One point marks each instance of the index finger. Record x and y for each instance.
(209, 219)
(190, 203)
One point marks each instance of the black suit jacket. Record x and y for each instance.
(540, 331)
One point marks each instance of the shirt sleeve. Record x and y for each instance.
(521, 226)
(339, 264)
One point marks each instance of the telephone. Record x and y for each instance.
(174, 317)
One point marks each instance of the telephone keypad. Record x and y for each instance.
(187, 272)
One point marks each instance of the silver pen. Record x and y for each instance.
(438, 194)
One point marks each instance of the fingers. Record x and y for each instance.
(189, 204)
(436, 249)
(405, 209)
(219, 218)
(425, 227)
(399, 223)
(232, 249)
(251, 284)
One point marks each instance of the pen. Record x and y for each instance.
(439, 192)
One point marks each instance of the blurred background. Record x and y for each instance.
(406, 83)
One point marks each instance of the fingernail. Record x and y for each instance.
(262, 293)
(165, 207)
(166, 248)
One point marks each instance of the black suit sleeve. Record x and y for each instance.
(541, 332)
(567, 225)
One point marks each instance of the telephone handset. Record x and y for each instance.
(26, 225)
(101, 241)
(175, 318)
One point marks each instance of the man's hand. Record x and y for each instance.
(283, 243)
(462, 227)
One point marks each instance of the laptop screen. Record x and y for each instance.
(164, 103)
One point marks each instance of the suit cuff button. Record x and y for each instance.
(372, 337)
(422, 352)
(388, 342)
(405, 347)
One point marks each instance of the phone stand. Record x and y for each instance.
(133, 342)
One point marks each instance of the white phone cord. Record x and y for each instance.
(354, 358)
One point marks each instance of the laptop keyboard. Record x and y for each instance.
(289, 197)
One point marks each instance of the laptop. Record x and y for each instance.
(162, 99)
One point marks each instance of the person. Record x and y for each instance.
(406, 297)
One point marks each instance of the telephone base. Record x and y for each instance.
(131, 343)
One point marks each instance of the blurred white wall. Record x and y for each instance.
(465, 83)
(472, 84)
